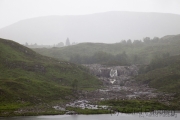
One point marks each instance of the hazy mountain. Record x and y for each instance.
(101, 27)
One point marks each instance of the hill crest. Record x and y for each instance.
(102, 27)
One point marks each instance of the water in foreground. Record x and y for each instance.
(120, 116)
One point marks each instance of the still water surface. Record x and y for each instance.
(119, 116)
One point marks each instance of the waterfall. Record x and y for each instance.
(113, 73)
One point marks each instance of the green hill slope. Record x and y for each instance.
(27, 77)
(163, 74)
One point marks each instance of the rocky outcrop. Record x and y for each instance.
(113, 74)
(118, 84)
(113, 71)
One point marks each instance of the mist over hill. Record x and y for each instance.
(108, 27)
(122, 53)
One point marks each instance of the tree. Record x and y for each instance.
(135, 59)
(137, 42)
(123, 41)
(101, 57)
(129, 41)
(67, 42)
(155, 39)
(61, 44)
(122, 58)
(147, 40)
(26, 44)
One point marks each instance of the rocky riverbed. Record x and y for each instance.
(118, 83)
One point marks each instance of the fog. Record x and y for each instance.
(52, 21)
(109, 27)
(82, 57)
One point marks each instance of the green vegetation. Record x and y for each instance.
(15, 109)
(159, 59)
(27, 78)
(101, 58)
(123, 53)
(132, 106)
(163, 73)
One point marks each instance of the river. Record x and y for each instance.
(120, 116)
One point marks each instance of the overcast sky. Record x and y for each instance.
(14, 10)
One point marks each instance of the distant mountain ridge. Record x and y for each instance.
(108, 27)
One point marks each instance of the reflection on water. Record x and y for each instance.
(120, 116)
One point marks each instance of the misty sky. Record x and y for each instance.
(14, 10)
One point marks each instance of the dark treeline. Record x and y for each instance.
(101, 58)
(122, 58)
(147, 51)
(145, 40)
(158, 61)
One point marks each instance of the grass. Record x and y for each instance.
(164, 78)
(27, 109)
(27, 77)
(133, 106)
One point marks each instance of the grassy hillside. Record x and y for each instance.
(29, 78)
(163, 74)
(138, 52)
(162, 55)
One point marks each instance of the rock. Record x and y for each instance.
(113, 74)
